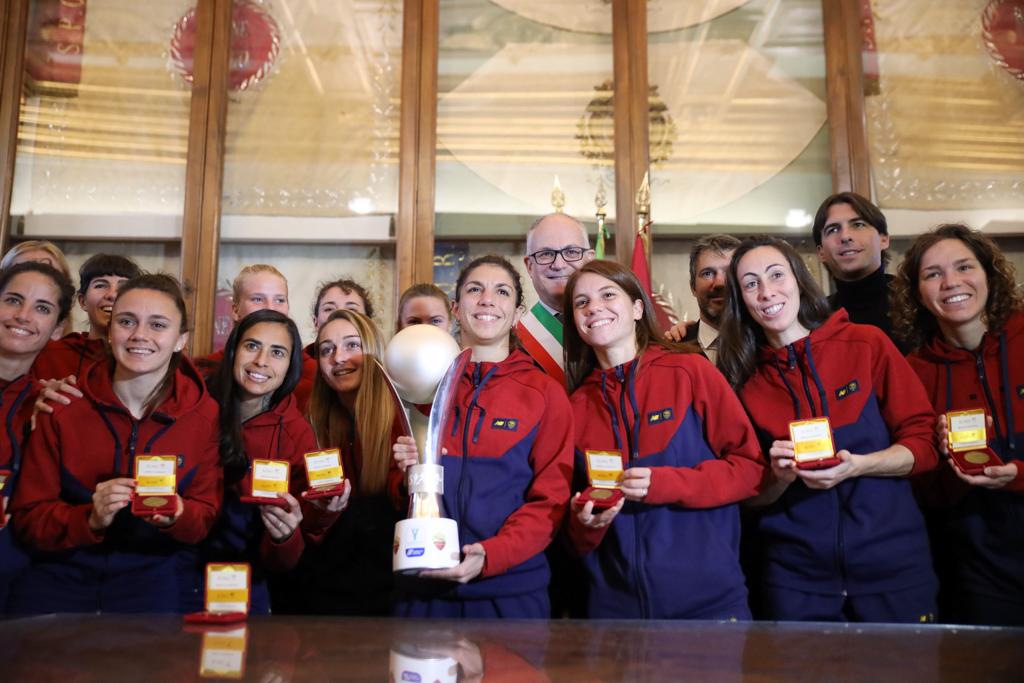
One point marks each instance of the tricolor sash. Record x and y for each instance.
(541, 337)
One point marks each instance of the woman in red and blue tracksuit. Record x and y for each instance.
(35, 300)
(259, 420)
(958, 304)
(507, 468)
(845, 542)
(670, 548)
(90, 553)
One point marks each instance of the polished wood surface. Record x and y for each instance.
(284, 649)
(204, 172)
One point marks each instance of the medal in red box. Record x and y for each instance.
(813, 447)
(156, 484)
(269, 483)
(968, 441)
(227, 594)
(325, 474)
(604, 472)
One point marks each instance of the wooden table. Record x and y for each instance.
(280, 649)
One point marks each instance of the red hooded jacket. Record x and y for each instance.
(94, 439)
(69, 355)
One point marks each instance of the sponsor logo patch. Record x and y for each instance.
(851, 387)
(509, 424)
(659, 416)
(414, 552)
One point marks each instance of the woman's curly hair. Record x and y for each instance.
(913, 322)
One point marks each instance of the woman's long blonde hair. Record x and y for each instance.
(374, 415)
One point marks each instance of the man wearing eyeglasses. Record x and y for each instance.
(556, 247)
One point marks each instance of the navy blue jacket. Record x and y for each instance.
(16, 399)
(131, 566)
(983, 529)
(676, 554)
(507, 473)
(866, 535)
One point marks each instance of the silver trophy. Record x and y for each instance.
(424, 364)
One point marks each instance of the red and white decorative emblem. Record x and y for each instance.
(1002, 29)
(255, 44)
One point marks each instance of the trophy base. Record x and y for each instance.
(426, 667)
(426, 543)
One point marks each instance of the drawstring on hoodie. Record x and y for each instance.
(631, 390)
(479, 383)
(794, 363)
(815, 376)
(102, 410)
(611, 410)
(1004, 381)
(12, 437)
(1004, 371)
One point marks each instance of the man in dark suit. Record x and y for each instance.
(709, 263)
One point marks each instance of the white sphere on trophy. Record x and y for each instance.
(416, 360)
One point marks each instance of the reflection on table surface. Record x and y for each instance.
(280, 649)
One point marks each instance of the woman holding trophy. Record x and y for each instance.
(958, 305)
(507, 462)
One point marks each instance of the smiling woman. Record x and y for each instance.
(507, 460)
(688, 456)
(34, 300)
(348, 570)
(956, 300)
(73, 491)
(259, 420)
(790, 359)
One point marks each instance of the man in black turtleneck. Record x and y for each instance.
(851, 235)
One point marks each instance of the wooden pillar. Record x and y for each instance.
(200, 235)
(844, 77)
(414, 223)
(630, 104)
(13, 26)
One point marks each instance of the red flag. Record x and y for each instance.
(642, 270)
(640, 267)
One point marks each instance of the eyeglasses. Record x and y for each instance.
(546, 257)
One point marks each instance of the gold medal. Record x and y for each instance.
(976, 457)
(600, 494)
(154, 501)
